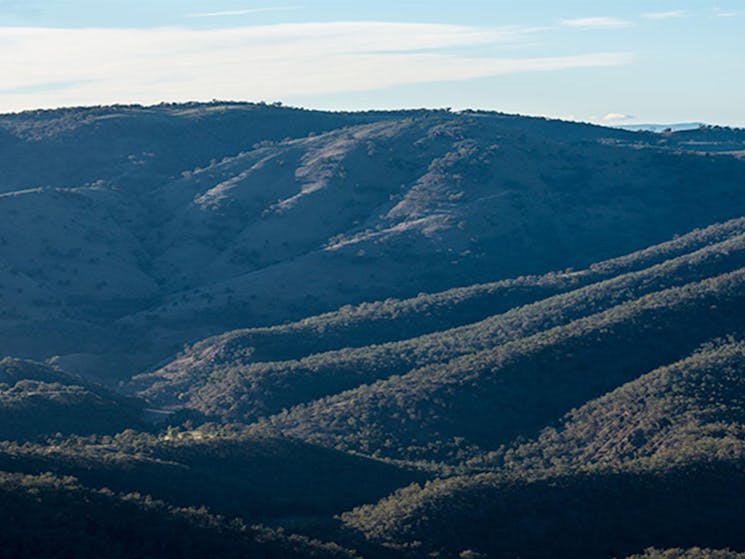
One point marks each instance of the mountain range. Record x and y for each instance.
(238, 329)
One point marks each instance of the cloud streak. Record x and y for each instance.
(260, 62)
(719, 12)
(596, 23)
(247, 11)
(659, 16)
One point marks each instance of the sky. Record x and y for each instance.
(636, 61)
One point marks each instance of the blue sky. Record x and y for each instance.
(611, 62)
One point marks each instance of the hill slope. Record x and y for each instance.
(667, 446)
(220, 378)
(47, 516)
(153, 227)
(37, 400)
(489, 397)
(256, 478)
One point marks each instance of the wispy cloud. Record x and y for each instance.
(719, 12)
(260, 62)
(674, 14)
(596, 23)
(244, 12)
(41, 87)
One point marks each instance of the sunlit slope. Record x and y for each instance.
(219, 377)
(490, 397)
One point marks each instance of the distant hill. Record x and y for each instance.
(657, 128)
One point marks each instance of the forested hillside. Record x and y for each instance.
(219, 377)
(135, 237)
(235, 330)
(667, 446)
(37, 400)
(48, 516)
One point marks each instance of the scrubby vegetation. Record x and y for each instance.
(218, 382)
(490, 397)
(37, 400)
(48, 516)
(222, 468)
(658, 461)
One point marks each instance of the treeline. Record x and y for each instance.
(692, 409)
(394, 319)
